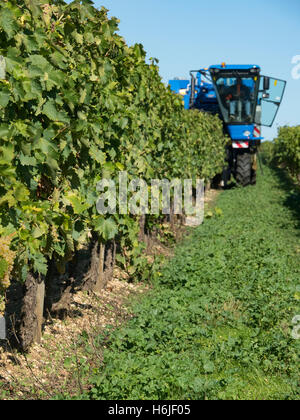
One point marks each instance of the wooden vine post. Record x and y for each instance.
(39, 310)
(99, 285)
(32, 312)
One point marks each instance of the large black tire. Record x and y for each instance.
(244, 168)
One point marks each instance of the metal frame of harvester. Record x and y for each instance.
(245, 100)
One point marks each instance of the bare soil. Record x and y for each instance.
(48, 368)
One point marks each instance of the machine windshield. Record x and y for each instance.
(237, 98)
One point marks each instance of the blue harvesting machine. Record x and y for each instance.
(244, 100)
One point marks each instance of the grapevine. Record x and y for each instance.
(79, 104)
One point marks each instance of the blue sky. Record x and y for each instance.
(193, 34)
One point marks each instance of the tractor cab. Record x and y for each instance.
(237, 92)
(244, 96)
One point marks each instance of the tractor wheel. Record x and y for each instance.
(244, 168)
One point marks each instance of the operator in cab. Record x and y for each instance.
(239, 98)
